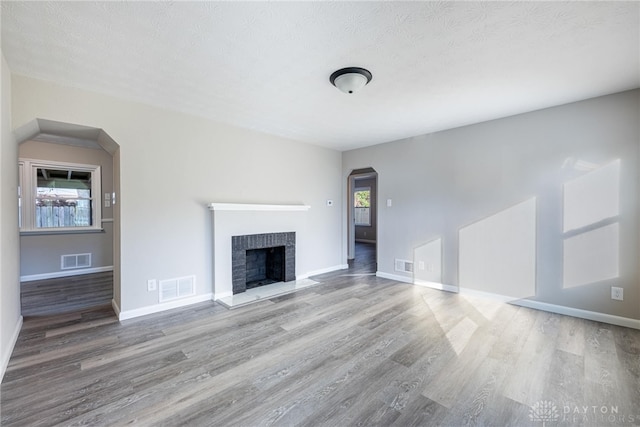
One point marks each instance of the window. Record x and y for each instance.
(362, 204)
(57, 196)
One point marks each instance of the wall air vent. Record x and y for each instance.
(404, 265)
(71, 261)
(180, 287)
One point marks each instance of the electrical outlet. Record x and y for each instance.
(421, 265)
(617, 293)
(152, 285)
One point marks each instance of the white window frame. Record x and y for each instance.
(28, 189)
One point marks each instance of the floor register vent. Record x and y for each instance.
(180, 287)
(404, 265)
(68, 262)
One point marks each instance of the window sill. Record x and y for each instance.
(63, 231)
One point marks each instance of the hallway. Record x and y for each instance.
(365, 258)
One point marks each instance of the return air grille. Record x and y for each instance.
(71, 261)
(180, 287)
(404, 265)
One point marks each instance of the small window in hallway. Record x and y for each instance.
(362, 204)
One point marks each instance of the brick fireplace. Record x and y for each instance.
(238, 228)
(262, 259)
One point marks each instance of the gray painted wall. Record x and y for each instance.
(9, 238)
(502, 189)
(165, 226)
(40, 254)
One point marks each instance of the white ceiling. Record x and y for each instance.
(266, 66)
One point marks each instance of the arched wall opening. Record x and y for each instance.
(59, 139)
(362, 213)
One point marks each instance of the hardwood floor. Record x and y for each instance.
(364, 259)
(60, 295)
(357, 350)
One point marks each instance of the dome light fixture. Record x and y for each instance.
(350, 79)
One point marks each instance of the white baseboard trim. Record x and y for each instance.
(496, 297)
(537, 305)
(395, 277)
(576, 312)
(9, 349)
(436, 285)
(558, 309)
(116, 308)
(66, 273)
(143, 311)
(322, 271)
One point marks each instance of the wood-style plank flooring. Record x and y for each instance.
(357, 350)
(364, 258)
(60, 295)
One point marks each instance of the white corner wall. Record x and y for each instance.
(172, 166)
(498, 194)
(10, 318)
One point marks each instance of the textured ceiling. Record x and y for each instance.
(266, 66)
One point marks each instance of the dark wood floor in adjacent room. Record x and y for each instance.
(59, 295)
(355, 350)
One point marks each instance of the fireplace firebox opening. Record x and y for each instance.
(262, 259)
(265, 266)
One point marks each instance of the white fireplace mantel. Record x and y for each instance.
(256, 207)
(239, 219)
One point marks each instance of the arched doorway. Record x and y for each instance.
(49, 150)
(362, 220)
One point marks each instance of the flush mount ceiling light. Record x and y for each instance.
(350, 79)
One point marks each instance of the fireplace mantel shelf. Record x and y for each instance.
(256, 207)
